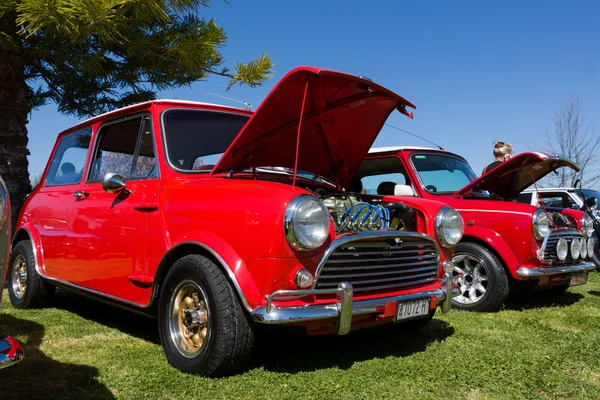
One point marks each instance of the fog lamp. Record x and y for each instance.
(562, 249)
(590, 247)
(575, 248)
(304, 279)
(583, 249)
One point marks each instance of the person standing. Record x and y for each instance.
(502, 152)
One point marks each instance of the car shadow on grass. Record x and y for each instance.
(300, 352)
(532, 300)
(125, 321)
(39, 376)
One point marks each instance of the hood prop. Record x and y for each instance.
(299, 130)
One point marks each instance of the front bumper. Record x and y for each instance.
(344, 308)
(10, 352)
(547, 271)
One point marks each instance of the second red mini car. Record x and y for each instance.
(216, 219)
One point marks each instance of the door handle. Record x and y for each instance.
(81, 195)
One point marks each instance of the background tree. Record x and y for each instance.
(578, 140)
(92, 56)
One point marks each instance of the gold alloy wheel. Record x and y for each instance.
(189, 319)
(19, 276)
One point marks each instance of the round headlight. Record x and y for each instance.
(583, 249)
(541, 225)
(587, 225)
(562, 249)
(590, 247)
(306, 223)
(449, 226)
(575, 248)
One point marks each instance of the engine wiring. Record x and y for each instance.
(376, 212)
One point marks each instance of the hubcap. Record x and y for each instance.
(472, 278)
(19, 276)
(189, 319)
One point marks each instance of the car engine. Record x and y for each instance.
(351, 213)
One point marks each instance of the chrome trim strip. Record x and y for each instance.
(344, 307)
(8, 346)
(569, 269)
(382, 235)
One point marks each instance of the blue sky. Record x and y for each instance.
(478, 71)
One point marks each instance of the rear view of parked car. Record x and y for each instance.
(10, 350)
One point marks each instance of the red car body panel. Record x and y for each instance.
(122, 246)
(505, 226)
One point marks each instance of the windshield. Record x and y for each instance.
(588, 193)
(441, 173)
(196, 139)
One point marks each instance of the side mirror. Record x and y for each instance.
(403, 190)
(591, 202)
(113, 183)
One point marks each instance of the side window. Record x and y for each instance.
(381, 175)
(524, 198)
(145, 162)
(68, 163)
(125, 148)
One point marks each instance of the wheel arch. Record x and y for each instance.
(29, 233)
(499, 248)
(192, 247)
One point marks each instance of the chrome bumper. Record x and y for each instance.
(10, 352)
(546, 271)
(344, 308)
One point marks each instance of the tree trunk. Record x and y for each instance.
(13, 127)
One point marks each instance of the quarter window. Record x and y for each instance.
(68, 162)
(125, 148)
(381, 175)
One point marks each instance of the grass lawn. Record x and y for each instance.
(536, 347)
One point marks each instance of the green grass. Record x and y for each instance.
(537, 347)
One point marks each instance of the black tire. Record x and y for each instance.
(36, 293)
(497, 285)
(596, 258)
(229, 335)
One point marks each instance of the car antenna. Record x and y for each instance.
(248, 105)
(417, 136)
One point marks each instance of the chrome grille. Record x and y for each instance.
(380, 263)
(550, 252)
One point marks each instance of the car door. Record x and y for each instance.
(107, 241)
(53, 201)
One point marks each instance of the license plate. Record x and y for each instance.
(579, 279)
(412, 309)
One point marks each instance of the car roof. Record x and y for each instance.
(395, 149)
(147, 104)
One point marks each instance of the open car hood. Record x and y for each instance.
(515, 175)
(342, 116)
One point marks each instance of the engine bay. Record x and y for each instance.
(352, 212)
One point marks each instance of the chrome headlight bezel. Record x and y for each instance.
(540, 224)
(296, 238)
(587, 225)
(448, 215)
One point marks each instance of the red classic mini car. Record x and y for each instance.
(224, 218)
(10, 350)
(506, 245)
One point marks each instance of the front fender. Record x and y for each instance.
(496, 242)
(232, 264)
